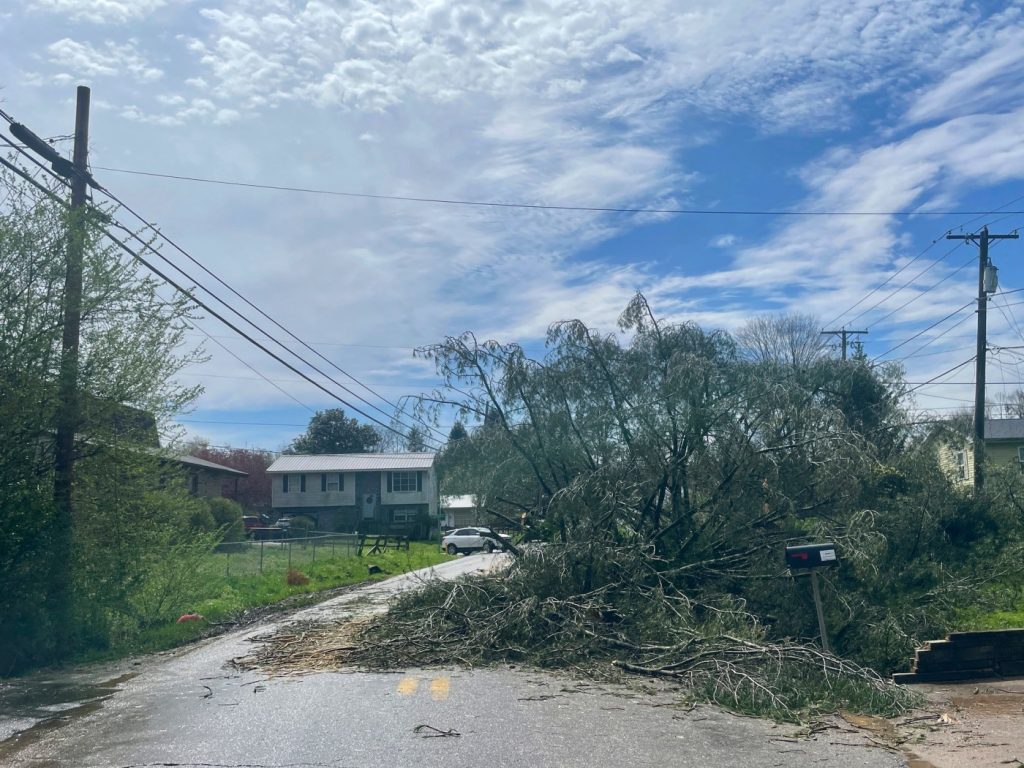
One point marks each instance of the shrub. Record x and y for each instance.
(227, 515)
(296, 578)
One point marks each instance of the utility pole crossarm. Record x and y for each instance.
(843, 334)
(982, 239)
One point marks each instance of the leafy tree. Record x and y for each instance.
(415, 442)
(685, 444)
(253, 490)
(132, 339)
(458, 432)
(331, 431)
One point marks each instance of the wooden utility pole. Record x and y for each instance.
(982, 239)
(843, 334)
(68, 402)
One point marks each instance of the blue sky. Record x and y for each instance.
(805, 105)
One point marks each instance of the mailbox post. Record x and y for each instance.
(811, 557)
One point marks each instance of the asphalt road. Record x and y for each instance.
(188, 709)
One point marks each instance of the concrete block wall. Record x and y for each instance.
(968, 656)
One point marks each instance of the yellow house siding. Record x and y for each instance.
(995, 453)
(1003, 453)
(952, 458)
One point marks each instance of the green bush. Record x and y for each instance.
(227, 515)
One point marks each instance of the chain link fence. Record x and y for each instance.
(279, 556)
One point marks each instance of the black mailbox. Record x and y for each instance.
(811, 556)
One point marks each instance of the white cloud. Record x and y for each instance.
(586, 103)
(621, 53)
(87, 61)
(98, 11)
(992, 81)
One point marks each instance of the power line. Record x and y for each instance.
(148, 247)
(335, 343)
(881, 285)
(935, 338)
(944, 373)
(931, 245)
(198, 302)
(259, 374)
(931, 287)
(135, 236)
(535, 206)
(937, 352)
(921, 333)
(216, 277)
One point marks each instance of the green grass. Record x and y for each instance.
(233, 585)
(1005, 610)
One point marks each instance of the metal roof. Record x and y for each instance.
(458, 502)
(1004, 429)
(352, 462)
(197, 462)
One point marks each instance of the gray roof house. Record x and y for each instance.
(209, 479)
(393, 493)
(1004, 444)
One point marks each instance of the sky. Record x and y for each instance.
(785, 109)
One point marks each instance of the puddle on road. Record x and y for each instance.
(32, 708)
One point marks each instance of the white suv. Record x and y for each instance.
(472, 539)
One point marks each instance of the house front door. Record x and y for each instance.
(369, 503)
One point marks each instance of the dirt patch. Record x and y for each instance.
(980, 725)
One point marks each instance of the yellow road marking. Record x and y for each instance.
(408, 685)
(439, 687)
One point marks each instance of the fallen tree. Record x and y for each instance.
(601, 612)
(666, 469)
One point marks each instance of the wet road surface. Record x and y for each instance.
(189, 709)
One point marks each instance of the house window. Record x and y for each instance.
(284, 483)
(332, 482)
(302, 483)
(404, 515)
(323, 482)
(404, 482)
(961, 464)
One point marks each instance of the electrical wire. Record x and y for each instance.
(239, 314)
(922, 332)
(535, 206)
(944, 373)
(931, 245)
(147, 246)
(199, 302)
(152, 227)
(258, 373)
(935, 338)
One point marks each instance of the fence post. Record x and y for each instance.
(227, 566)
(261, 555)
(314, 550)
(289, 554)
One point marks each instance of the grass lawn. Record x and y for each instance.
(233, 585)
(1009, 613)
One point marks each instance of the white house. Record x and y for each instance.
(366, 492)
